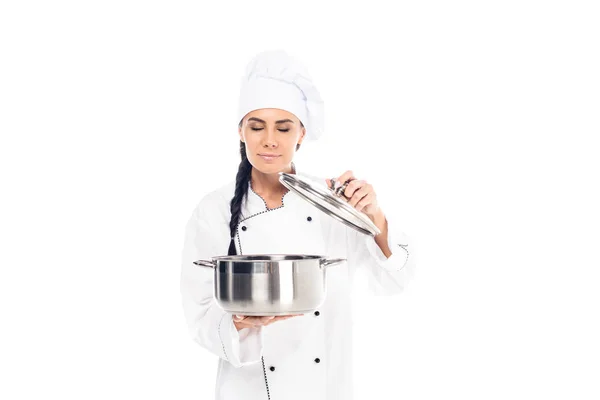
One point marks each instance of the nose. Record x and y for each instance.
(270, 139)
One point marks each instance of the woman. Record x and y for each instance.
(288, 357)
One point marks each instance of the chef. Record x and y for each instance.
(307, 356)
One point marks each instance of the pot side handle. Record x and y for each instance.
(205, 263)
(331, 262)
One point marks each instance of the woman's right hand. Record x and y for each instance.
(247, 321)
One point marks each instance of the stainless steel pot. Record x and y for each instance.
(269, 284)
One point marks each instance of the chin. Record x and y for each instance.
(269, 167)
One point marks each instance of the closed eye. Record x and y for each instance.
(260, 129)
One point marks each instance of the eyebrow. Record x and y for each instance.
(281, 121)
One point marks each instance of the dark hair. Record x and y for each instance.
(241, 191)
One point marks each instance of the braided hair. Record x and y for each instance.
(241, 191)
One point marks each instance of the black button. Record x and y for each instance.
(272, 368)
(317, 360)
(244, 228)
(317, 313)
(309, 219)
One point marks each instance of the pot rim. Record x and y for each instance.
(268, 257)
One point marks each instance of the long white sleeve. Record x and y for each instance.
(208, 324)
(387, 276)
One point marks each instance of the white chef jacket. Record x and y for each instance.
(304, 357)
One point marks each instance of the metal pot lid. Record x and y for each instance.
(330, 201)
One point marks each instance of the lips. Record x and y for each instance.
(268, 157)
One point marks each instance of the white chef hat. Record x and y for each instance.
(274, 79)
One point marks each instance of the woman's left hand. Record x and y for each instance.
(360, 195)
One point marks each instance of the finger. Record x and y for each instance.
(242, 325)
(267, 323)
(292, 316)
(358, 195)
(279, 318)
(251, 320)
(258, 320)
(354, 186)
(248, 318)
(261, 320)
(345, 176)
(367, 200)
(272, 321)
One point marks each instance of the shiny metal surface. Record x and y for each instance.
(330, 202)
(269, 284)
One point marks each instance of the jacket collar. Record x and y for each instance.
(256, 204)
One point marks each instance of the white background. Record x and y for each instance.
(475, 122)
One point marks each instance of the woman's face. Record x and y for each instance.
(271, 131)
